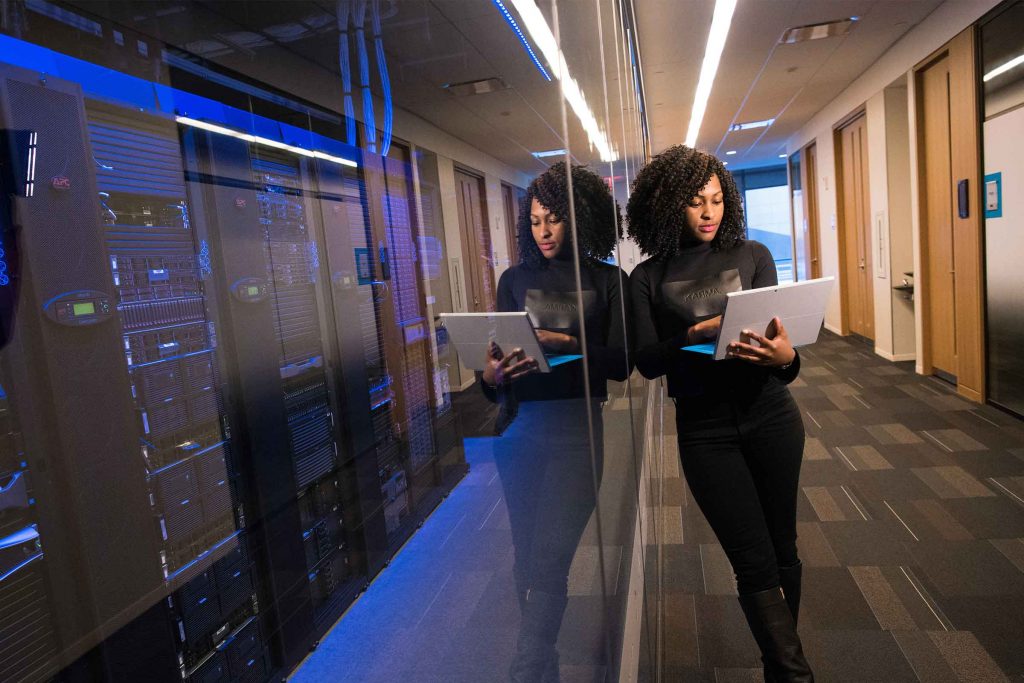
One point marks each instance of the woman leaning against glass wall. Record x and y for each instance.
(544, 457)
(741, 436)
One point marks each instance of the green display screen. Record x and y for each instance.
(87, 308)
(254, 291)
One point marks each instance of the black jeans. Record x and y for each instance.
(546, 472)
(741, 458)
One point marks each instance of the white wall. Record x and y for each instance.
(934, 31)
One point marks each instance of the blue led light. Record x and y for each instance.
(4, 277)
(522, 38)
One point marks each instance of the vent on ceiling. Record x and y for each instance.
(484, 85)
(799, 34)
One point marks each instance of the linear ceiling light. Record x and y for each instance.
(751, 124)
(999, 70)
(550, 153)
(267, 142)
(541, 34)
(712, 55)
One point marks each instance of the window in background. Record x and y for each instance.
(768, 223)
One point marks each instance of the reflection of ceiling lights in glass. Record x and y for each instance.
(730, 152)
(522, 39)
(266, 142)
(712, 54)
(783, 156)
(751, 124)
(999, 70)
(540, 32)
(550, 153)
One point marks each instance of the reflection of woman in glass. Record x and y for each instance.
(544, 457)
(741, 436)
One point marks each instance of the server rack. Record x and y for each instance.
(158, 269)
(265, 250)
(65, 369)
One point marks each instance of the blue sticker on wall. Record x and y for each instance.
(993, 195)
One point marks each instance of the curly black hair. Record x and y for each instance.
(656, 211)
(598, 219)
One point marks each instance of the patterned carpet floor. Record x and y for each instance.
(911, 530)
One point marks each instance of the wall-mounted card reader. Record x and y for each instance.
(962, 203)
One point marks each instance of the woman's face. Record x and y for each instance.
(548, 230)
(704, 212)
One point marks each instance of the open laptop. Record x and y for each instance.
(800, 305)
(472, 334)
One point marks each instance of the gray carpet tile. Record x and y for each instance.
(911, 530)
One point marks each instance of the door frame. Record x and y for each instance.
(841, 228)
(966, 163)
(469, 270)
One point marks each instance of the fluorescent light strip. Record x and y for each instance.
(267, 142)
(999, 70)
(522, 39)
(712, 55)
(550, 153)
(541, 33)
(751, 124)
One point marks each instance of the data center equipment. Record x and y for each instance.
(219, 414)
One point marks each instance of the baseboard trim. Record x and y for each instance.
(896, 357)
(833, 330)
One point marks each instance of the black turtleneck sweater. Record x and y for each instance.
(548, 294)
(670, 295)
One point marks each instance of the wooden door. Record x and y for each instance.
(511, 205)
(478, 267)
(812, 235)
(855, 229)
(938, 273)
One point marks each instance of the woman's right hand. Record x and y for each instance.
(704, 331)
(501, 369)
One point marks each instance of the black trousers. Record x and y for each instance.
(741, 458)
(546, 472)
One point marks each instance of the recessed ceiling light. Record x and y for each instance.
(783, 156)
(731, 152)
(479, 87)
(549, 153)
(751, 124)
(725, 163)
(828, 29)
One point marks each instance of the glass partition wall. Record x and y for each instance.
(240, 442)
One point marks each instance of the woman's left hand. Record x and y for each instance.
(556, 342)
(773, 350)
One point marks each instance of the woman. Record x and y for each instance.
(741, 435)
(547, 468)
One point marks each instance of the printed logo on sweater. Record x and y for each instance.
(700, 299)
(558, 311)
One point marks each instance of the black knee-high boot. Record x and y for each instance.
(536, 658)
(774, 629)
(790, 579)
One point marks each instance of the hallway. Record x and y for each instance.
(911, 529)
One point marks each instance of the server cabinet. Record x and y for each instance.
(167, 312)
(265, 252)
(65, 367)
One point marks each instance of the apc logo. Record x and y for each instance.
(61, 183)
